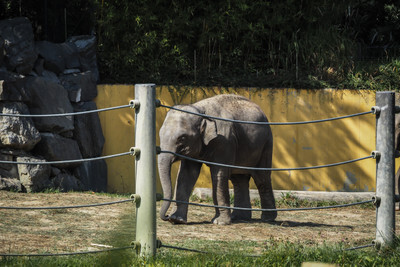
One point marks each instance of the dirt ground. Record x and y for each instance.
(39, 231)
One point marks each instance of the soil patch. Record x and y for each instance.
(39, 231)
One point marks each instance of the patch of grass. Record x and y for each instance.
(232, 254)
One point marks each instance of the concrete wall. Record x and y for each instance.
(294, 146)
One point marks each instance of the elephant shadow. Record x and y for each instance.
(279, 223)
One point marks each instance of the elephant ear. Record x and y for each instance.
(208, 130)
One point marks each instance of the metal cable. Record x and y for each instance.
(63, 114)
(67, 207)
(266, 123)
(65, 161)
(264, 169)
(360, 247)
(205, 252)
(251, 209)
(215, 253)
(65, 253)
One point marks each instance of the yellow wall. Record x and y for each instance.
(294, 146)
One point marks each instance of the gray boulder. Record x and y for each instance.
(54, 147)
(86, 45)
(8, 170)
(70, 54)
(10, 184)
(2, 52)
(80, 86)
(52, 55)
(12, 87)
(17, 132)
(93, 175)
(34, 178)
(66, 182)
(87, 131)
(49, 98)
(20, 54)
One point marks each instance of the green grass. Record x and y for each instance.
(232, 254)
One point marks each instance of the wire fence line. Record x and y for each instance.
(264, 169)
(65, 253)
(247, 255)
(251, 209)
(266, 123)
(65, 161)
(64, 114)
(67, 207)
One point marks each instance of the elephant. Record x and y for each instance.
(213, 140)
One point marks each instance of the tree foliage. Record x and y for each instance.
(305, 43)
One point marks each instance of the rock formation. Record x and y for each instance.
(40, 77)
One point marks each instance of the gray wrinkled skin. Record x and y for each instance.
(221, 142)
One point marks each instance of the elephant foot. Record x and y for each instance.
(222, 220)
(176, 220)
(238, 215)
(269, 216)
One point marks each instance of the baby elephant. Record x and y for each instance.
(214, 140)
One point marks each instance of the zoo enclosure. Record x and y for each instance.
(145, 197)
(294, 146)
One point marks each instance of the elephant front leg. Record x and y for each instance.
(187, 177)
(221, 197)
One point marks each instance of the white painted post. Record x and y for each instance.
(145, 140)
(385, 170)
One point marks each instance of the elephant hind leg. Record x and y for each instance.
(241, 196)
(262, 180)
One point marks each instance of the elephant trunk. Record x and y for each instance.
(164, 169)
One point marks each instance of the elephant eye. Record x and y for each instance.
(182, 138)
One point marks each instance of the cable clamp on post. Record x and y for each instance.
(376, 201)
(136, 198)
(376, 154)
(158, 150)
(159, 197)
(136, 246)
(397, 198)
(134, 103)
(158, 243)
(377, 244)
(135, 151)
(158, 103)
(397, 109)
(376, 110)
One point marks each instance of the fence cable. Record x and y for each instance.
(264, 169)
(205, 252)
(251, 209)
(63, 114)
(248, 255)
(67, 207)
(65, 253)
(65, 161)
(266, 123)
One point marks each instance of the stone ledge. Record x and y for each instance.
(203, 193)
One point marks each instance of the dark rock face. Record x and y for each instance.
(49, 98)
(80, 86)
(20, 54)
(17, 132)
(93, 175)
(54, 147)
(87, 131)
(66, 182)
(87, 53)
(48, 78)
